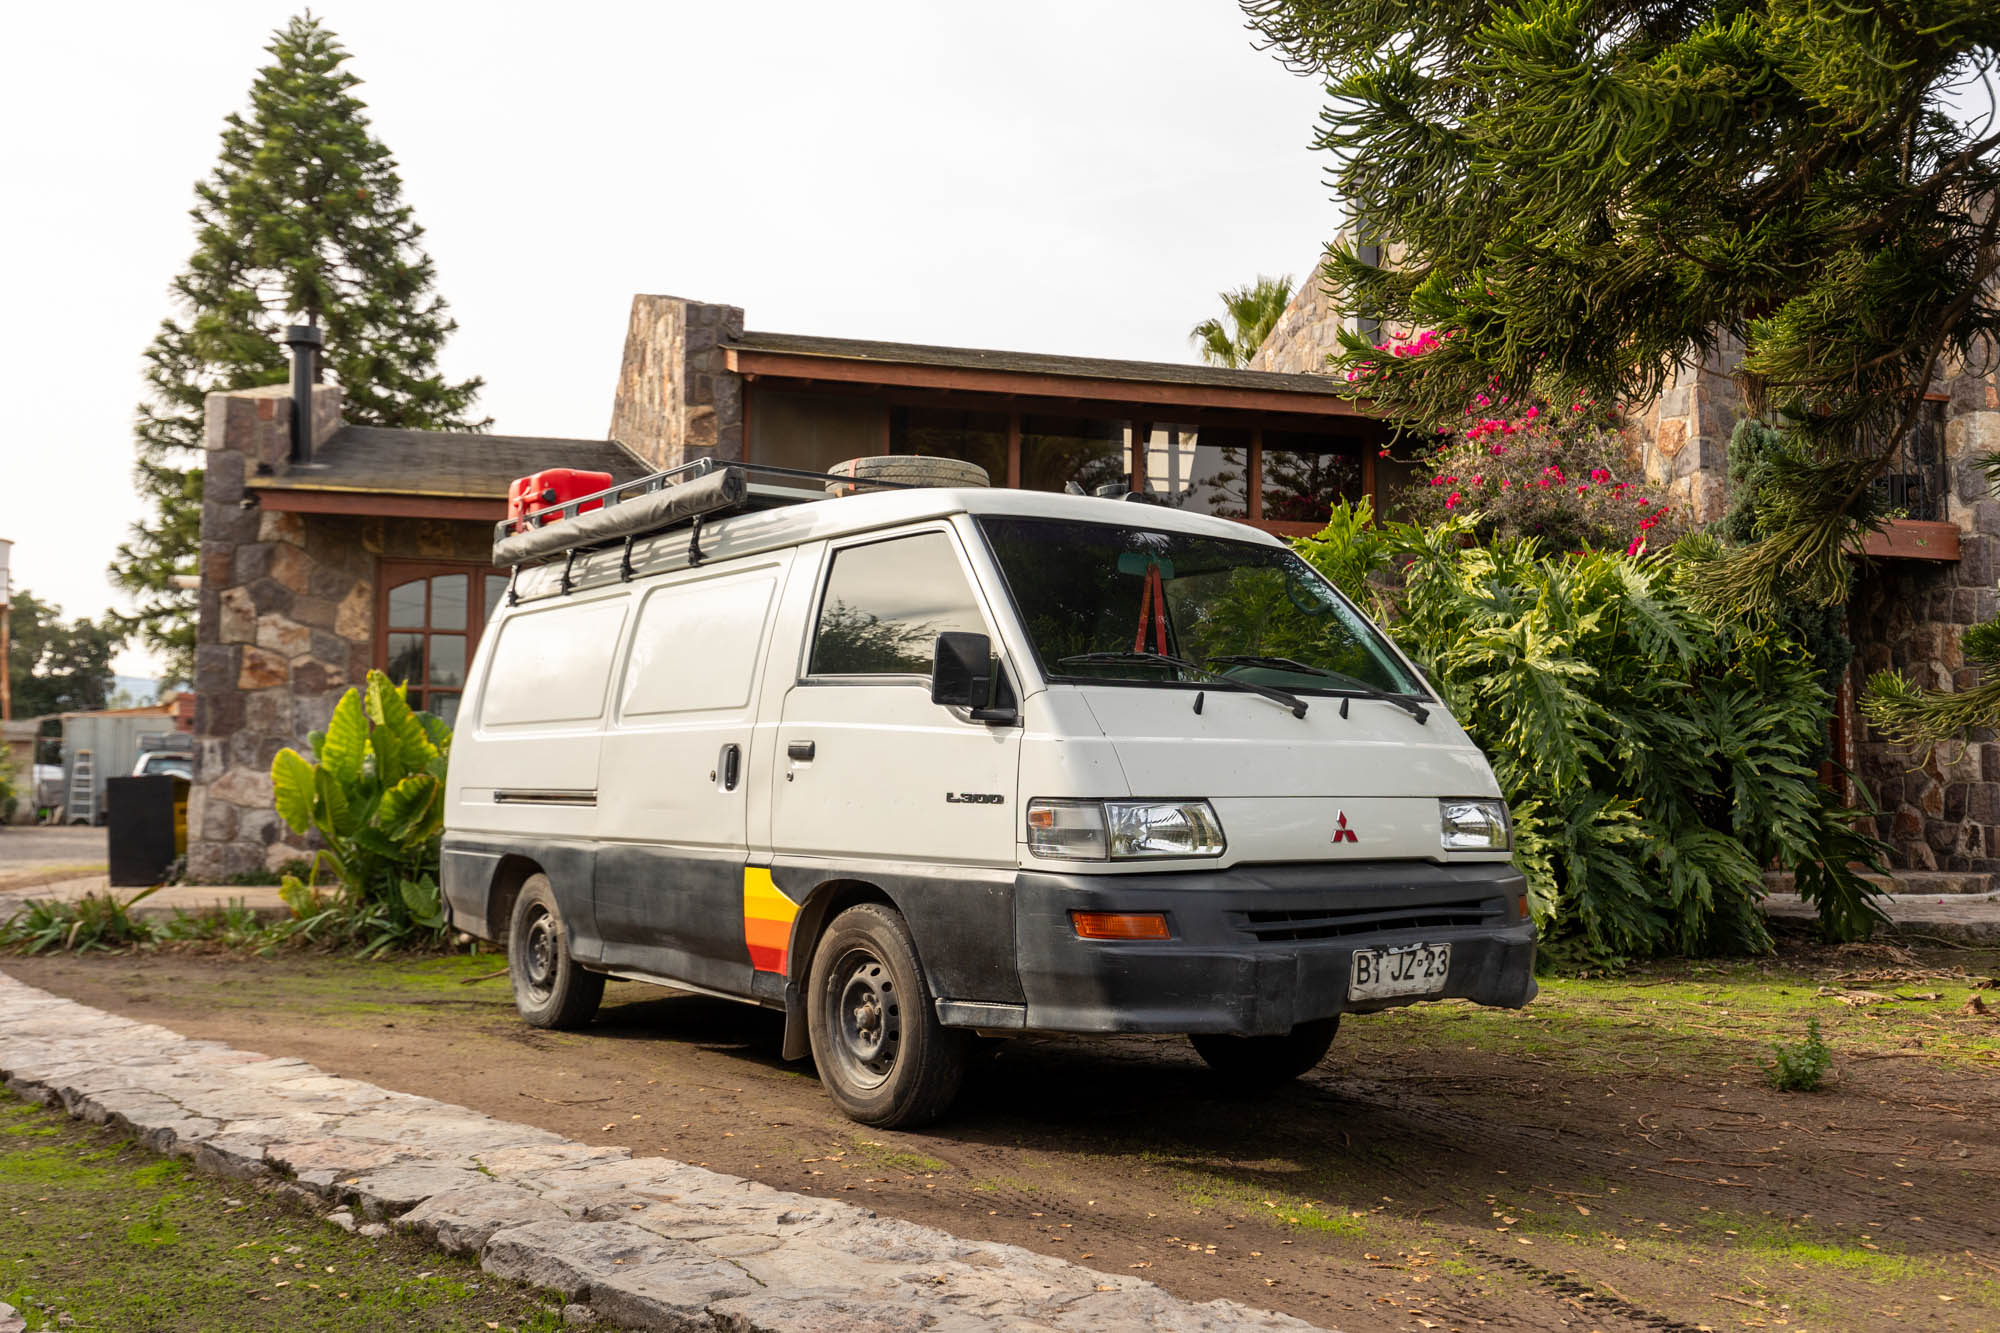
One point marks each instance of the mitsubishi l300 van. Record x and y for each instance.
(918, 764)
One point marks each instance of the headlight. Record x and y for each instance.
(1475, 826)
(1123, 830)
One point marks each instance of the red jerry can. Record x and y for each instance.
(528, 496)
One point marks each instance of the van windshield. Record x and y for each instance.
(1098, 600)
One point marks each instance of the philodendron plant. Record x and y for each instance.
(374, 792)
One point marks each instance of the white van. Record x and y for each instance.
(914, 765)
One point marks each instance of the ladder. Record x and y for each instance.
(82, 791)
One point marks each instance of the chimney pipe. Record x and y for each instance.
(304, 340)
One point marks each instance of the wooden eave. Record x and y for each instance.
(754, 364)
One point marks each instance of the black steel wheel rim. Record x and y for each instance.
(864, 1016)
(541, 953)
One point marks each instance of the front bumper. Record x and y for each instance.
(1259, 949)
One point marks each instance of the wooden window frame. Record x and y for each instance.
(395, 573)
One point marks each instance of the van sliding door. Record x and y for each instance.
(674, 778)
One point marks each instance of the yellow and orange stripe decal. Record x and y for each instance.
(767, 920)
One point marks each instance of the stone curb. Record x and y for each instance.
(645, 1242)
(1965, 918)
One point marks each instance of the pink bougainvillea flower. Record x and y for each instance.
(1581, 489)
(1437, 481)
(1497, 450)
(1638, 545)
(1599, 475)
(1533, 412)
(1478, 479)
(1382, 453)
(1451, 501)
(1504, 483)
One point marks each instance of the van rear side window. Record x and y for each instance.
(695, 646)
(885, 605)
(553, 665)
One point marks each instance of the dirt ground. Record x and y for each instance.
(1610, 1158)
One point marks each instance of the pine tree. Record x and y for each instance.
(301, 222)
(1584, 196)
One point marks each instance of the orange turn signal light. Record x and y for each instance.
(1120, 925)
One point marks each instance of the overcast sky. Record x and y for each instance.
(1079, 176)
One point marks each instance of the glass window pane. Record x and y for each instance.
(1058, 450)
(1199, 469)
(447, 659)
(1305, 475)
(448, 601)
(406, 658)
(975, 437)
(406, 605)
(445, 706)
(1249, 612)
(496, 588)
(887, 602)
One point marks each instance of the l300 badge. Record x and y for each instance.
(975, 798)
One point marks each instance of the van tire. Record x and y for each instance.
(1265, 1061)
(550, 990)
(882, 1054)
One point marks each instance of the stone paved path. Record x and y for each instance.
(646, 1242)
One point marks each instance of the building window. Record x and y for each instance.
(427, 625)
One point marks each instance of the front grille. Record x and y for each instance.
(1325, 923)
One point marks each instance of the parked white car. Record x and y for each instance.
(917, 764)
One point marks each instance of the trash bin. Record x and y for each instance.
(141, 833)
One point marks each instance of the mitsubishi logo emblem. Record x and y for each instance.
(1344, 833)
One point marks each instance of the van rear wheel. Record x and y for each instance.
(1267, 1060)
(882, 1054)
(550, 990)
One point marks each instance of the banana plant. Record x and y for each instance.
(374, 794)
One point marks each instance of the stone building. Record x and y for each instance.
(373, 549)
(365, 548)
(1932, 572)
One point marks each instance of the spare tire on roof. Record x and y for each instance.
(907, 470)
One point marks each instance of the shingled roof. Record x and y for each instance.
(373, 460)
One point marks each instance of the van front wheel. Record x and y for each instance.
(550, 990)
(882, 1054)
(1267, 1060)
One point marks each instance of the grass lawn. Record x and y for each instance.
(99, 1233)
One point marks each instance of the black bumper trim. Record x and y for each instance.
(1259, 949)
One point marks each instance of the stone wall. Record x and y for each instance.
(286, 625)
(1682, 438)
(1939, 811)
(675, 401)
(1305, 335)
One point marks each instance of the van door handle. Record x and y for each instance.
(732, 761)
(800, 751)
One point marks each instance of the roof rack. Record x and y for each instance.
(662, 501)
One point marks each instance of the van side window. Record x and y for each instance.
(885, 605)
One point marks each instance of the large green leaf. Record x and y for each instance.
(292, 789)
(425, 903)
(339, 815)
(346, 744)
(412, 810)
(401, 748)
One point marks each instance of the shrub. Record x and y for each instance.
(1799, 1066)
(94, 921)
(374, 794)
(1656, 760)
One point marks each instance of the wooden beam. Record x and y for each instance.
(1014, 450)
(745, 361)
(1253, 476)
(1913, 539)
(376, 504)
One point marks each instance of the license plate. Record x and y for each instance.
(1419, 969)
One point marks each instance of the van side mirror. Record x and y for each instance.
(962, 670)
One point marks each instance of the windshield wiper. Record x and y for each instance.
(1271, 692)
(1402, 701)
